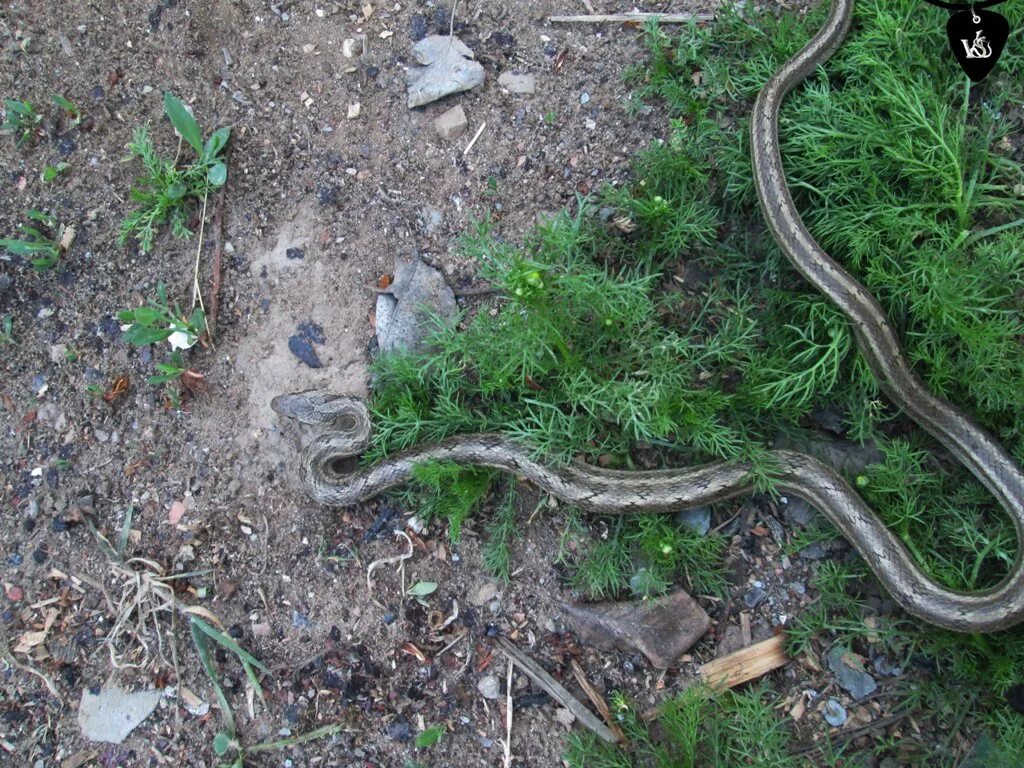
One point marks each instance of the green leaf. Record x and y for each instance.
(51, 172)
(18, 107)
(176, 191)
(140, 336)
(198, 320)
(203, 649)
(20, 247)
(217, 174)
(221, 744)
(423, 588)
(243, 655)
(429, 737)
(148, 316)
(44, 218)
(216, 143)
(183, 121)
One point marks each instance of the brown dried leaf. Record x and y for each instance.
(118, 388)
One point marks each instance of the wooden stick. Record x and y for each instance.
(555, 690)
(621, 18)
(217, 225)
(745, 664)
(597, 699)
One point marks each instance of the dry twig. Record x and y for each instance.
(556, 690)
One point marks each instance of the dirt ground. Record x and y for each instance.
(285, 575)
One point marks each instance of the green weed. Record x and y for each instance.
(698, 728)
(168, 190)
(22, 120)
(68, 106)
(7, 330)
(43, 241)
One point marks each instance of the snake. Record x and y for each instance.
(331, 477)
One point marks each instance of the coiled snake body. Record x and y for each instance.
(606, 491)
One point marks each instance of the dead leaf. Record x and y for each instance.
(412, 650)
(118, 388)
(193, 381)
(384, 281)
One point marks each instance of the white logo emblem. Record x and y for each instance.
(979, 49)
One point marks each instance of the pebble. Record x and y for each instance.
(15, 559)
(302, 349)
(400, 730)
(513, 83)
(697, 520)
(389, 618)
(295, 253)
(796, 510)
(451, 124)
(327, 195)
(754, 597)
(584, 98)
(489, 687)
(850, 674)
(299, 621)
(834, 713)
(65, 146)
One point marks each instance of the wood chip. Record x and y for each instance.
(746, 664)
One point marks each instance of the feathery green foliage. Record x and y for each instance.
(168, 190)
(909, 176)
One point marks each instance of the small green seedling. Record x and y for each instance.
(421, 589)
(68, 106)
(7, 334)
(166, 192)
(51, 172)
(21, 119)
(156, 321)
(43, 242)
(429, 737)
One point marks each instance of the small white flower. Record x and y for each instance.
(182, 340)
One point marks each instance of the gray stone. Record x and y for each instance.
(697, 520)
(754, 597)
(114, 713)
(407, 314)
(662, 629)
(452, 123)
(797, 511)
(489, 687)
(850, 674)
(513, 83)
(448, 68)
(834, 713)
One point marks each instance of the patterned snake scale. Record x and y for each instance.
(606, 491)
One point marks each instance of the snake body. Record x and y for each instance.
(607, 491)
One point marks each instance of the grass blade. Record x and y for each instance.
(203, 649)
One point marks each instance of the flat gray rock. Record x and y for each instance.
(448, 67)
(662, 629)
(114, 713)
(850, 674)
(406, 315)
